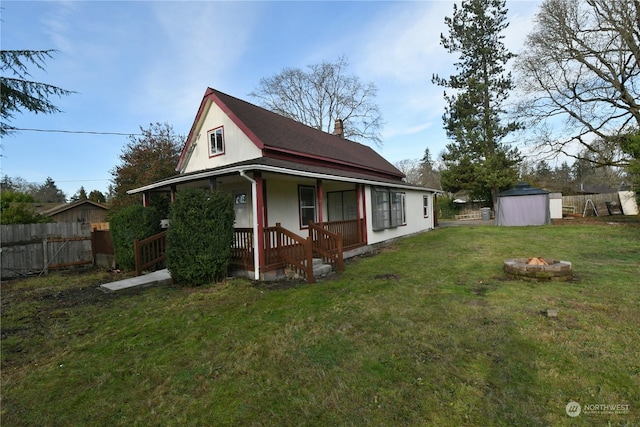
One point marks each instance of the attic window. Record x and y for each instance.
(216, 142)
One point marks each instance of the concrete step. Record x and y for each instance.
(321, 270)
(160, 277)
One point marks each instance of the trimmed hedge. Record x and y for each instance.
(128, 224)
(200, 236)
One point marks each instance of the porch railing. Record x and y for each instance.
(284, 248)
(295, 251)
(242, 248)
(327, 245)
(150, 252)
(351, 231)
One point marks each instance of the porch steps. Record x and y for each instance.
(319, 268)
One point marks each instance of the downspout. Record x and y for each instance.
(254, 198)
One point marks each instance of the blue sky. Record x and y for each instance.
(134, 63)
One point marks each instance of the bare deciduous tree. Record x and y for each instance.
(580, 74)
(410, 168)
(322, 94)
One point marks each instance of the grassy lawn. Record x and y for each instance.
(426, 332)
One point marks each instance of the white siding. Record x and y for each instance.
(282, 203)
(238, 146)
(416, 222)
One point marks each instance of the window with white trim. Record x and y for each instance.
(216, 142)
(307, 202)
(342, 205)
(388, 208)
(425, 206)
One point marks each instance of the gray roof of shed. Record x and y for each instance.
(522, 189)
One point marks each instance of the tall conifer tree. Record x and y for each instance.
(476, 160)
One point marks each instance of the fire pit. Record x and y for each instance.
(538, 269)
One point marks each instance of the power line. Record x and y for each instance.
(76, 131)
(84, 180)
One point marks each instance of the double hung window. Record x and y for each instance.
(425, 206)
(307, 202)
(216, 142)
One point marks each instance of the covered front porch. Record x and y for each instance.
(284, 222)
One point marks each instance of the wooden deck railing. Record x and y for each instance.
(150, 252)
(295, 251)
(284, 248)
(326, 245)
(351, 231)
(242, 248)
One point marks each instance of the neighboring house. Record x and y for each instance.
(285, 174)
(82, 211)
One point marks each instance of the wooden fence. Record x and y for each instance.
(37, 248)
(576, 204)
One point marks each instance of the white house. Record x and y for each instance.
(285, 175)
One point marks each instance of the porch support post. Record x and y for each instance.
(213, 184)
(319, 197)
(146, 198)
(173, 193)
(258, 224)
(362, 213)
(259, 217)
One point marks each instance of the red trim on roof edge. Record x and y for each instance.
(236, 120)
(187, 143)
(295, 152)
(209, 95)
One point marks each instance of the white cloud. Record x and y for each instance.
(521, 22)
(403, 42)
(202, 44)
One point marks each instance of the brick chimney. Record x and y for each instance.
(338, 129)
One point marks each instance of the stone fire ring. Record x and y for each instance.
(517, 268)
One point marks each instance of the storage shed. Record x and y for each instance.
(523, 205)
(82, 211)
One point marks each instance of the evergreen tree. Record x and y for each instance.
(81, 194)
(544, 175)
(49, 193)
(17, 92)
(477, 160)
(429, 176)
(563, 179)
(97, 196)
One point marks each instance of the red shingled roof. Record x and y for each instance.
(284, 138)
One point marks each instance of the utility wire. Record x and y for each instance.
(76, 131)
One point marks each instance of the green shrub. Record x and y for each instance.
(200, 236)
(128, 224)
(22, 213)
(446, 207)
